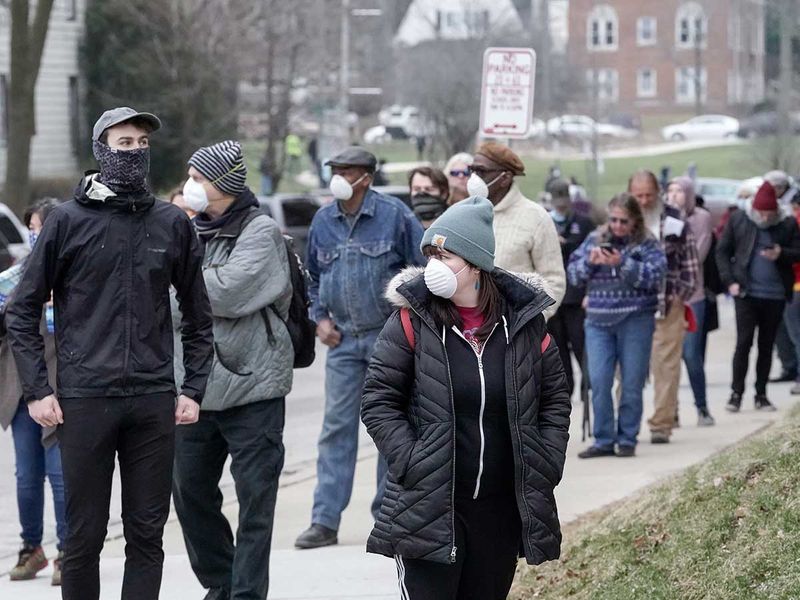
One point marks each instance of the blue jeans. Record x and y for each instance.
(345, 371)
(694, 355)
(34, 462)
(627, 344)
(791, 317)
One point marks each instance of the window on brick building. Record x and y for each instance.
(602, 29)
(686, 84)
(646, 83)
(606, 85)
(691, 26)
(646, 31)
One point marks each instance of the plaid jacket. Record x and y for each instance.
(683, 264)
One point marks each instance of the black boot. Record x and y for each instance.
(316, 536)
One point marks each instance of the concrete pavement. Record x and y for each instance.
(346, 571)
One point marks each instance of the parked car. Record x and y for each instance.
(377, 135)
(293, 214)
(13, 238)
(703, 127)
(583, 127)
(719, 195)
(538, 129)
(766, 123)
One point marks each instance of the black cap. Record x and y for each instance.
(115, 116)
(354, 156)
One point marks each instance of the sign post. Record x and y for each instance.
(509, 77)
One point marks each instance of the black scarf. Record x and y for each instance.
(124, 172)
(207, 228)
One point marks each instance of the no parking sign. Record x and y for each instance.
(509, 76)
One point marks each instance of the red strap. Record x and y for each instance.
(408, 328)
(545, 342)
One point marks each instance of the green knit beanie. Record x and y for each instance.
(465, 229)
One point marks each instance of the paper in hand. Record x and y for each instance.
(673, 226)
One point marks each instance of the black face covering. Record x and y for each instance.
(428, 207)
(122, 171)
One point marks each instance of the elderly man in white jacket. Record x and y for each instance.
(525, 234)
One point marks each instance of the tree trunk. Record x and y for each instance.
(27, 45)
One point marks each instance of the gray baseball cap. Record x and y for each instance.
(115, 116)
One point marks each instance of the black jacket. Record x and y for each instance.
(408, 410)
(736, 246)
(109, 264)
(574, 230)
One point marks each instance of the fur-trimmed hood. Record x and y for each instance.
(407, 289)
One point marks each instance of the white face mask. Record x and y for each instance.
(341, 188)
(478, 187)
(194, 194)
(441, 281)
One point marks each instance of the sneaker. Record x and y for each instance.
(704, 418)
(217, 594)
(763, 404)
(31, 561)
(56, 579)
(595, 452)
(734, 403)
(659, 437)
(316, 536)
(626, 451)
(796, 389)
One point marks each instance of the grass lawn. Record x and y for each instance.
(728, 529)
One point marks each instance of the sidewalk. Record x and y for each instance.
(346, 572)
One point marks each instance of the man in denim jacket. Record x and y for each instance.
(355, 246)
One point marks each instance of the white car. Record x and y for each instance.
(13, 238)
(377, 135)
(583, 127)
(704, 127)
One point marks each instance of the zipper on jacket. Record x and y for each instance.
(479, 356)
(453, 470)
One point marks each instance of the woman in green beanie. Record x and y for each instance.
(467, 400)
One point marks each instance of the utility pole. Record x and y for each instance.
(544, 51)
(344, 67)
(785, 96)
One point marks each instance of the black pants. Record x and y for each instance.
(488, 536)
(253, 437)
(786, 351)
(752, 313)
(566, 327)
(141, 430)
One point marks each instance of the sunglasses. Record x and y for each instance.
(460, 173)
(618, 220)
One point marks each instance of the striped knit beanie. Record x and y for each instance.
(223, 165)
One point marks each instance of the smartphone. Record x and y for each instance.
(607, 247)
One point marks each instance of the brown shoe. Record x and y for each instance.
(31, 561)
(56, 580)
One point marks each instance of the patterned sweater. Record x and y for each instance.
(615, 293)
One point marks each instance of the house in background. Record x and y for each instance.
(658, 55)
(54, 151)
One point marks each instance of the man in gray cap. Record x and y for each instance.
(109, 258)
(356, 245)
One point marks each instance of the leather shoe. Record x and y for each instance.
(316, 536)
(595, 452)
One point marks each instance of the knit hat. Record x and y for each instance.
(465, 229)
(765, 199)
(223, 165)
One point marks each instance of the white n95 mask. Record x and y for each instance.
(194, 194)
(478, 187)
(440, 279)
(341, 188)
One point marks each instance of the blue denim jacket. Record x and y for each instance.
(350, 266)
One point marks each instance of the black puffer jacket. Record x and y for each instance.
(408, 410)
(109, 262)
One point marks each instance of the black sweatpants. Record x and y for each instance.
(752, 314)
(253, 437)
(141, 431)
(566, 327)
(488, 537)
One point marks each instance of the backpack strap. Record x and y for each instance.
(408, 327)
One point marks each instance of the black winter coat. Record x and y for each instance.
(736, 245)
(109, 264)
(408, 410)
(574, 230)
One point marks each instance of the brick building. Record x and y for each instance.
(656, 55)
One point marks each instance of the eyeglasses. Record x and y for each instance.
(460, 173)
(619, 220)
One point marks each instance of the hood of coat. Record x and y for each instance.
(90, 192)
(523, 291)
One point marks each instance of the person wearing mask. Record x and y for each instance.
(566, 326)
(467, 399)
(246, 272)
(355, 246)
(755, 257)
(109, 258)
(176, 198)
(527, 241)
(429, 193)
(458, 172)
(680, 195)
(36, 450)
(787, 353)
(622, 266)
(677, 288)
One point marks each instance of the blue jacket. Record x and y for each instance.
(350, 266)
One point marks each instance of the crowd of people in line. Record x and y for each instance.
(451, 327)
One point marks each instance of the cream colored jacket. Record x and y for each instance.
(526, 241)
